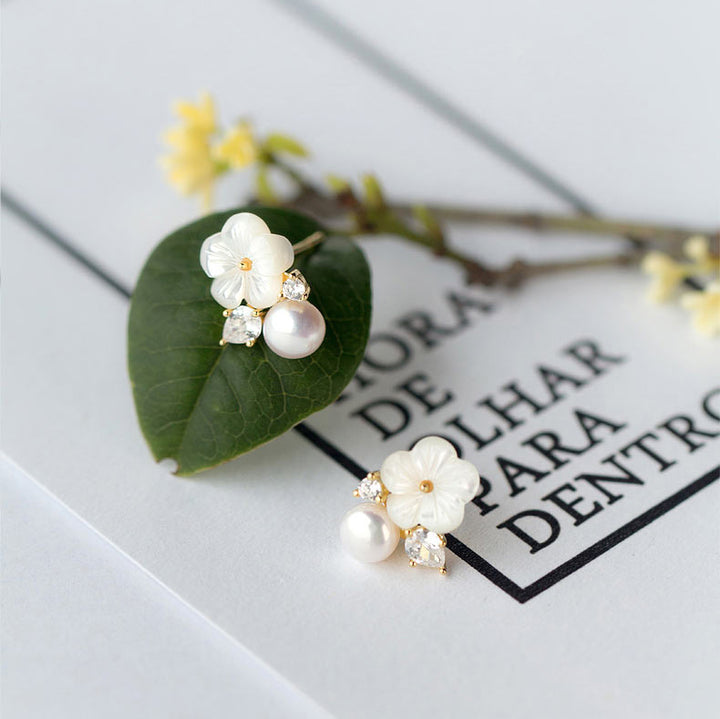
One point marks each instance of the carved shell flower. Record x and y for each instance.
(429, 485)
(246, 261)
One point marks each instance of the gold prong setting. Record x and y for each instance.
(231, 257)
(371, 489)
(406, 493)
(243, 326)
(294, 286)
(423, 547)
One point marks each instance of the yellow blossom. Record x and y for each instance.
(705, 306)
(238, 148)
(200, 117)
(697, 248)
(666, 275)
(190, 165)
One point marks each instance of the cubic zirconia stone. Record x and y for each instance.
(242, 326)
(370, 489)
(295, 287)
(425, 548)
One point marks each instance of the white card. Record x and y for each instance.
(567, 397)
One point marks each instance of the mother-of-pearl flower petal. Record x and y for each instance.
(404, 509)
(430, 453)
(459, 477)
(228, 289)
(216, 257)
(245, 236)
(399, 473)
(441, 512)
(245, 226)
(270, 254)
(454, 483)
(262, 291)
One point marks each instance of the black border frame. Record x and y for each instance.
(329, 27)
(502, 581)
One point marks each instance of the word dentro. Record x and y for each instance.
(539, 528)
(510, 408)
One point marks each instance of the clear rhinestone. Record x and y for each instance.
(371, 489)
(425, 548)
(295, 287)
(242, 326)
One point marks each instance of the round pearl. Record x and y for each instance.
(367, 534)
(294, 328)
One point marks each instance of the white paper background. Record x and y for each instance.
(86, 633)
(252, 545)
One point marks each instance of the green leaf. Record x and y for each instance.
(202, 404)
(277, 143)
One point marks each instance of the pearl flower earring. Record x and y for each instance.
(420, 495)
(249, 264)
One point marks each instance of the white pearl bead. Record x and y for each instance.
(294, 328)
(367, 534)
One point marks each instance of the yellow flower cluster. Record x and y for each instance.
(199, 155)
(667, 275)
(705, 306)
(238, 149)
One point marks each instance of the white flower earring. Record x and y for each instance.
(249, 264)
(420, 495)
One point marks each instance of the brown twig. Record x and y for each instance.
(309, 242)
(373, 215)
(583, 224)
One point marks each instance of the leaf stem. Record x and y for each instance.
(309, 242)
(372, 215)
(644, 232)
(511, 275)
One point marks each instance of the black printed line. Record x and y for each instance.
(422, 92)
(627, 530)
(453, 544)
(345, 38)
(524, 594)
(502, 581)
(22, 212)
(328, 448)
(462, 551)
(331, 451)
(342, 36)
(484, 567)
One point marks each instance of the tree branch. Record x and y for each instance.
(376, 216)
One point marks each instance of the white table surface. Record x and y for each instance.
(88, 633)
